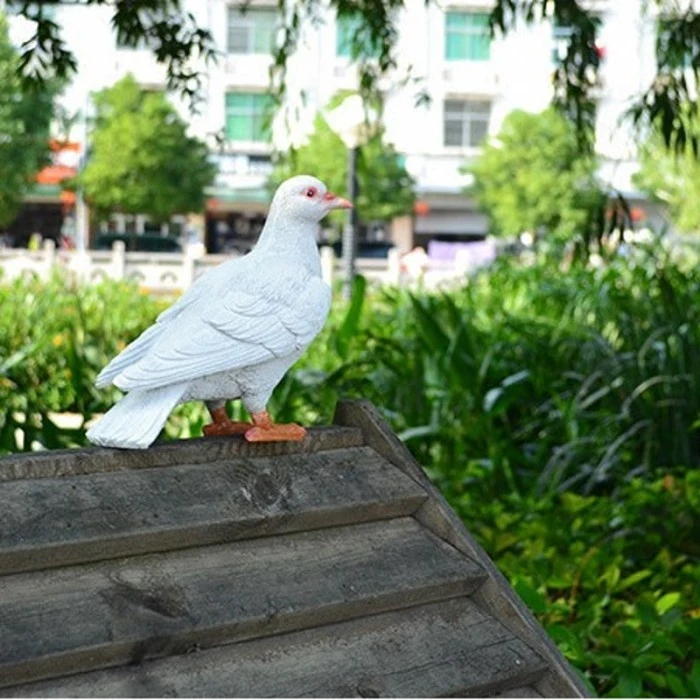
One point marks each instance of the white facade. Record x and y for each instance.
(516, 74)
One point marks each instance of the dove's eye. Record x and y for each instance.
(310, 192)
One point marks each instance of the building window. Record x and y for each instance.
(352, 40)
(466, 122)
(252, 31)
(467, 36)
(246, 116)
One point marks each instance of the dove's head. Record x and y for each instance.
(306, 197)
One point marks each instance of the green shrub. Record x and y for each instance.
(54, 339)
(551, 381)
(614, 581)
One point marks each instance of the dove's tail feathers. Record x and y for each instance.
(131, 354)
(135, 422)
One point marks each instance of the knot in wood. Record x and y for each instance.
(367, 691)
(267, 489)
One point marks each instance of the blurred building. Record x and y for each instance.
(472, 81)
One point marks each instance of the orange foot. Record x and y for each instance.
(267, 431)
(222, 425)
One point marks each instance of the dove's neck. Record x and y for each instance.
(289, 236)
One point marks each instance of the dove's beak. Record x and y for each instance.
(336, 202)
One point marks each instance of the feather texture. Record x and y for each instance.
(244, 328)
(136, 421)
(131, 354)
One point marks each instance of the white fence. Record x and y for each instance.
(174, 272)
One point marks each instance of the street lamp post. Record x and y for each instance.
(82, 213)
(350, 228)
(353, 122)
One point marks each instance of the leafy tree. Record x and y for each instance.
(385, 186)
(672, 178)
(177, 41)
(25, 117)
(533, 177)
(143, 161)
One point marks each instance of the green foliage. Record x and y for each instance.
(25, 117)
(532, 177)
(614, 581)
(385, 187)
(558, 412)
(54, 339)
(143, 161)
(672, 178)
(671, 94)
(551, 381)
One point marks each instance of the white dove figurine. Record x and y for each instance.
(233, 334)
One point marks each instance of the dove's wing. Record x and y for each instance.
(140, 347)
(209, 283)
(241, 329)
(130, 355)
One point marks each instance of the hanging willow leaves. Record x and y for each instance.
(173, 35)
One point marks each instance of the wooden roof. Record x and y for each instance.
(216, 567)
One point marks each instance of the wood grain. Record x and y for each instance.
(446, 648)
(66, 520)
(85, 617)
(527, 692)
(95, 460)
(327, 568)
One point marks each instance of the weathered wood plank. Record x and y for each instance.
(441, 649)
(85, 617)
(53, 463)
(527, 692)
(496, 595)
(52, 522)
